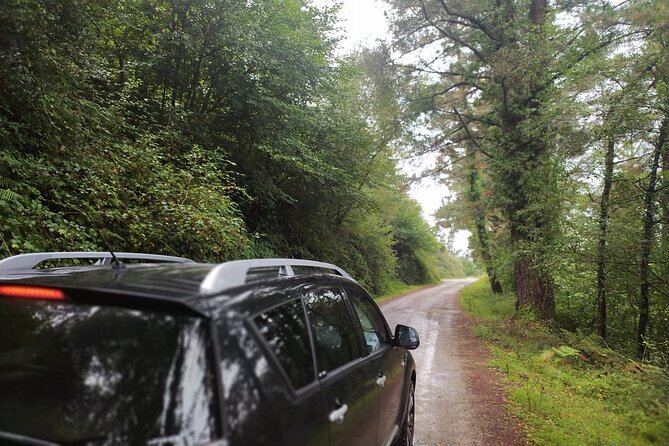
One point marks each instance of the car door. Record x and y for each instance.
(347, 379)
(384, 356)
(298, 405)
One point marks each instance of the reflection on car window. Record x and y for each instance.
(332, 328)
(71, 373)
(371, 320)
(285, 330)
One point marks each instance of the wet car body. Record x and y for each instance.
(300, 360)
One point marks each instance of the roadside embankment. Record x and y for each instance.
(568, 388)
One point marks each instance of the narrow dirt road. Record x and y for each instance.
(458, 399)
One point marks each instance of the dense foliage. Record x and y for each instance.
(210, 129)
(551, 122)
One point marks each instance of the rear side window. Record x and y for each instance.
(76, 374)
(335, 337)
(285, 331)
(371, 320)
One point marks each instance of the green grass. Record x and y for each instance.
(568, 388)
(491, 307)
(398, 288)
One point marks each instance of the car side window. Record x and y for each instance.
(371, 320)
(285, 331)
(334, 334)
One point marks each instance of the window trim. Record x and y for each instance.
(342, 370)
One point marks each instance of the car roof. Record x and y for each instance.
(170, 281)
(180, 281)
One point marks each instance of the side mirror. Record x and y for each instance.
(406, 337)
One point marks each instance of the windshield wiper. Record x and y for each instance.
(24, 439)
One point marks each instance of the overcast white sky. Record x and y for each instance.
(363, 23)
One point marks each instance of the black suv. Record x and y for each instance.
(160, 350)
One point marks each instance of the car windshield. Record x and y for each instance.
(95, 375)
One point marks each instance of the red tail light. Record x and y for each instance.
(31, 292)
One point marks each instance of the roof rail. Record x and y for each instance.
(232, 274)
(24, 262)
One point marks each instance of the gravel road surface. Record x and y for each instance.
(458, 399)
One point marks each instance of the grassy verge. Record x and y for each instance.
(567, 387)
(399, 288)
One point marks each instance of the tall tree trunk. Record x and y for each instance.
(665, 213)
(647, 240)
(534, 288)
(603, 227)
(474, 198)
(482, 233)
(538, 11)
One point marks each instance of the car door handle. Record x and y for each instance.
(381, 380)
(337, 415)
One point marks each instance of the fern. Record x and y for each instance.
(6, 194)
(564, 351)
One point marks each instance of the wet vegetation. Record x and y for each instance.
(224, 129)
(568, 387)
(549, 121)
(213, 130)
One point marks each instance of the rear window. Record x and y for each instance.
(104, 375)
(332, 328)
(285, 331)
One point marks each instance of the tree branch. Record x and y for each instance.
(471, 137)
(474, 22)
(449, 35)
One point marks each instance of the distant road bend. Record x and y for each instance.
(458, 399)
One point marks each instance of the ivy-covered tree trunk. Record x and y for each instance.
(534, 289)
(478, 209)
(603, 228)
(482, 232)
(525, 177)
(647, 238)
(523, 167)
(664, 243)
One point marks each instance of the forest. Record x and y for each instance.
(550, 122)
(214, 130)
(223, 129)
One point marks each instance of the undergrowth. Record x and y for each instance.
(569, 388)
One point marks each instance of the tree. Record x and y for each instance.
(470, 210)
(214, 130)
(496, 66)
(603, 233)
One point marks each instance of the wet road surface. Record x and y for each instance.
(458, 399)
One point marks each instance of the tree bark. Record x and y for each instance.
(533, 288)
(495, 284)
(486, 256)
(603, 228)
(647, 240)
(474, 197)
(664, 243)
(538, 11)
